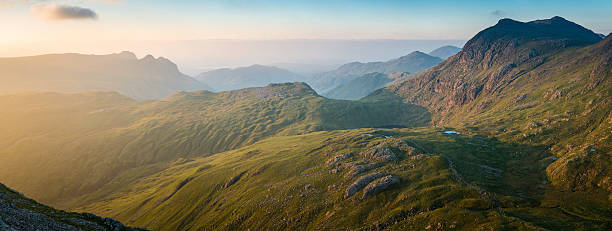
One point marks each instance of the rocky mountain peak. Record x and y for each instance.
(516, 42)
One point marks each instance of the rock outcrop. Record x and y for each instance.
(379, 185)
(20, 213)
(381, 153)
(360, 183)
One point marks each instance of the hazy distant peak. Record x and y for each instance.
(126, 55)
(445, 52)
(256, 75)
(415, 55)
(148, 58)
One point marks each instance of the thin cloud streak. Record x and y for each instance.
(54, 12)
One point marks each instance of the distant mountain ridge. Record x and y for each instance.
(413, 62)
(244, 77)
(146, 78)
(445, 52)
(364, 85)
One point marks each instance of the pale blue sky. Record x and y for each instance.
(103, 26)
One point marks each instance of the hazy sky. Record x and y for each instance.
(99, 26)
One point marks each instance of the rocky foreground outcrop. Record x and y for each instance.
(20, 213)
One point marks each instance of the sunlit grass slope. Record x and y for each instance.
(443, 181)
(54, 147)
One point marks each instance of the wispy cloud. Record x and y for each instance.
(498, 13)
(61, 12)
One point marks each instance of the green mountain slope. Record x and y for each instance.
(413, 62)
(20, 213)
(57, 146)
(397, 179)
(545, 82)
(146, 78)
(245, 77)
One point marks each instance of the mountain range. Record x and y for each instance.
(364, 85)
(413, 62)
(245, 77)
(510, 133)
(146, 78)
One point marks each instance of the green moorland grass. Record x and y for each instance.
(447, 181)
(54, 147)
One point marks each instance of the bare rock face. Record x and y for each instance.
(381, 153)
(360, 183)
(379, 185)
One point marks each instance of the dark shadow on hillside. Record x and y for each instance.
(500, 167)
(384, 111)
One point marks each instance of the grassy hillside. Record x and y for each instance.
(320, 180)
(55, 147)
